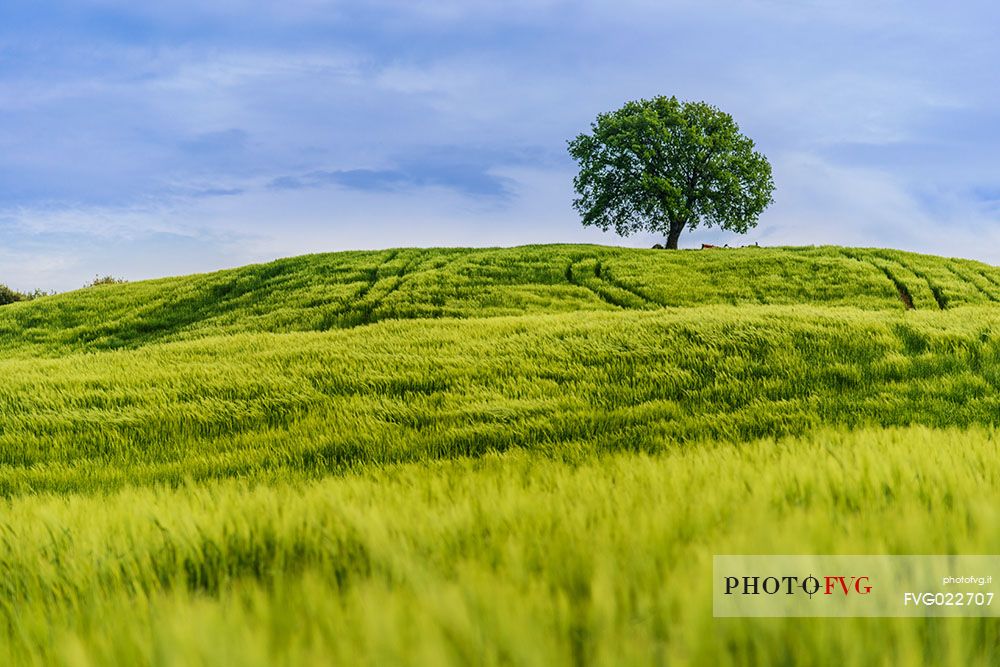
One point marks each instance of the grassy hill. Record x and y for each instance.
(348, 289)
(498, 456)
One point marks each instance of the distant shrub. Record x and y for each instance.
(35, 294)
(7, 295)
(105, 280)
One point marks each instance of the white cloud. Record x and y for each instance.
(818, 203)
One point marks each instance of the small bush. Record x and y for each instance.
(8, 296)
(105, 280)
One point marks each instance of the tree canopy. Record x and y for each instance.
(663, 166)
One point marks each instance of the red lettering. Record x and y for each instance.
(831, 584)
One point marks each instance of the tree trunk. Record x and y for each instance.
(673, 235)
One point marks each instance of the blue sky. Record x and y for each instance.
(159, 138)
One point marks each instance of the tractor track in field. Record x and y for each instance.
(994, 292)
(607, 298)
(936, 292)
(372, 276)
(403, 272)
(904, 292)
(990, 279)
(939, 296)
(367, 311)
(971, 279)
(901, 289)
(601, 273)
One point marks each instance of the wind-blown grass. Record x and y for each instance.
(314, 403)
(501, 559)
(343, 290)
(497, 456)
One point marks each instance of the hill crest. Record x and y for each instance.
(346, 289)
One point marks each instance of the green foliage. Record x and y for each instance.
(105, 280)
(489, 456)
(9, 296)
(661, 166)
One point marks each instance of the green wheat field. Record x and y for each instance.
(520, 456)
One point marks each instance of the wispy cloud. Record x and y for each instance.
(470, 181)
(467, 171)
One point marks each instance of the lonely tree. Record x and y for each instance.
(663, 166)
